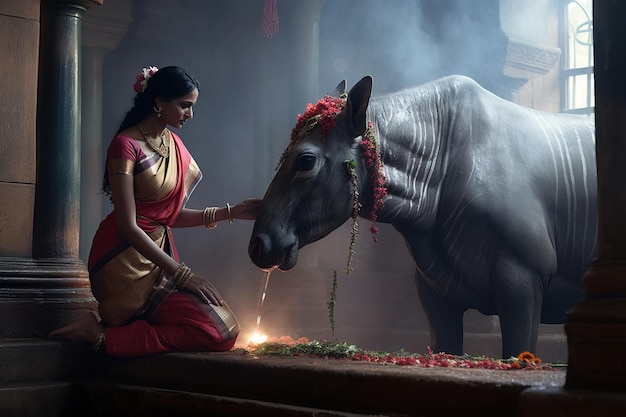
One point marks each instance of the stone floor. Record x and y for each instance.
(307, 386)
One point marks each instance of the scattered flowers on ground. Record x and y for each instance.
(526, 359)
(287, 346)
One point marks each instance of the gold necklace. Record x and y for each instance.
(163, 148)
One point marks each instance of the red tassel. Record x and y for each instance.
(270, 19)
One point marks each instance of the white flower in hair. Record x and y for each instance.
(142, 79)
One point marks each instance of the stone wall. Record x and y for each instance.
(19, 31)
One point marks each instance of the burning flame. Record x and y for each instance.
(257, 338)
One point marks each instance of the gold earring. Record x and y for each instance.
(157, 110)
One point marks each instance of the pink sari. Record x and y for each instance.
(126, 284)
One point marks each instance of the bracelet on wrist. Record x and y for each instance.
(98, 342)
(230, 214)
(208, 217)
(182, 276)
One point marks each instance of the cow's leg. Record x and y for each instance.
(445, 319)
(518, 297)
(560, 296)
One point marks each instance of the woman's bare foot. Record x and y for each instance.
(84, 329)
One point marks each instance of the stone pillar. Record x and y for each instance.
(305, 28)
(596, 327)
(302, 18)
(40, 292)
(266, 117)
(102, 29)
(91, 156)
(57, 195)
(299, 33)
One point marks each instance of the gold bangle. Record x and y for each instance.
(212, 221)
(208, 217)
(182, 276)
(230, 215)
(184, 281)
(97, 344)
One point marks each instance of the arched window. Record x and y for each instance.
(577, 92)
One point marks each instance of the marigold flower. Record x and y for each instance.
(526, 357)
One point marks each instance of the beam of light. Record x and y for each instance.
(257, 337)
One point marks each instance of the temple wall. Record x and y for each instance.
(19, 31)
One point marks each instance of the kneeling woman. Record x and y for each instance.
(149, 301)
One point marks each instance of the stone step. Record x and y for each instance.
(104, 399)
(32, 359)
(37, 399)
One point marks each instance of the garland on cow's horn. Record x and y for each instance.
(323, 114)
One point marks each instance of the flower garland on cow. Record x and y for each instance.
(323, 114)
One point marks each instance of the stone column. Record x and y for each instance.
(299, 33)
(302, 18)
(102, 29)
(40, 292)
(596, 327)
(301, 310)
(57, 195)
(91, 157)
(266, 117)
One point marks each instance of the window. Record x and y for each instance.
(577, 94)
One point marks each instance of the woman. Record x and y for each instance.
(149, 301)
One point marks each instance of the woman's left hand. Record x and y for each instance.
(205, 290)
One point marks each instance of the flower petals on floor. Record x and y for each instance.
(287, 346)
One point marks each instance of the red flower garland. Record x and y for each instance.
(369, 146)
(323, 113)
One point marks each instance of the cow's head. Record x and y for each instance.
(312, 192)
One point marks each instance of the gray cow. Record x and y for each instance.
(497, 202)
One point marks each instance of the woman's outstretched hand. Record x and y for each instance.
(247, 209)
(205, 290)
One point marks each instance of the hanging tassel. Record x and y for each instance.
(270, 19)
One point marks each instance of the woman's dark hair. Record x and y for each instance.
(168, 83)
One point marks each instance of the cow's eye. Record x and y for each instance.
(306, 162)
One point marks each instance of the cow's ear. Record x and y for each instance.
(340, 90)
(356, 105)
